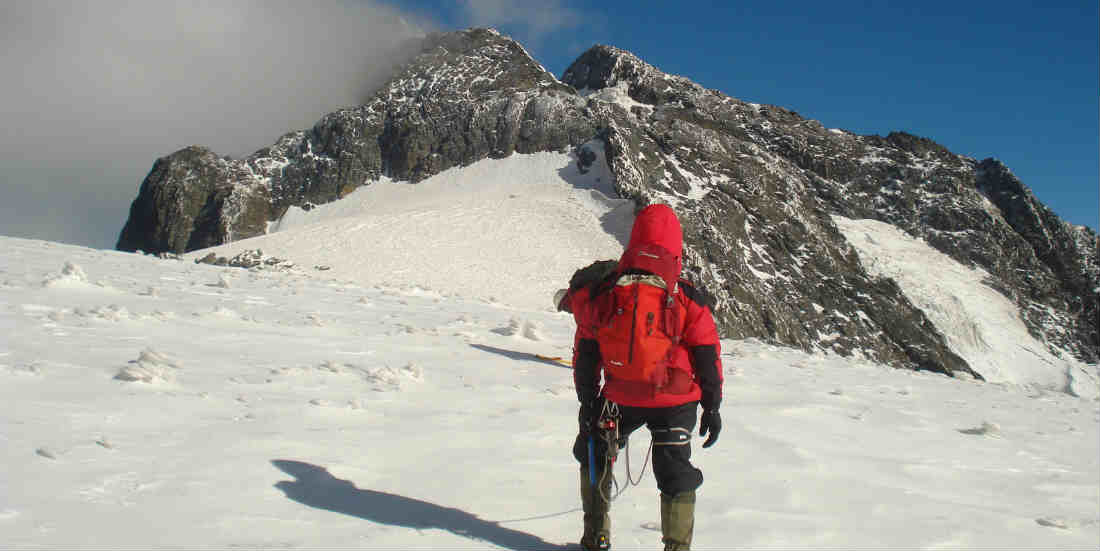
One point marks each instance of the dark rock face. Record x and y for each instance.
(1058, 282)
(466, 96)
(774, 180)
(755, 186)
(194, 199)
(756, 234)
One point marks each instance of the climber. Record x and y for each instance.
(650, 335)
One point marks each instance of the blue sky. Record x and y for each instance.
(96, 91)
(1013, 80)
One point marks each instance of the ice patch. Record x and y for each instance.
(1083, 381)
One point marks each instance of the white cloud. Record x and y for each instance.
(233, 75)
(95, 91)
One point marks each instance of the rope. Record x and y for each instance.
(648, 453)
(611, 410)
(539, 517)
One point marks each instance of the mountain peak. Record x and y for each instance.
(605, 66)
(757, 188)
(465, 64)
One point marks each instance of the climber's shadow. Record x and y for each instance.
(316, 487)
(519, 356)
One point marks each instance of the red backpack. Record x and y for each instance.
(638, 320)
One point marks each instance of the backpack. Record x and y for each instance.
(638, 317)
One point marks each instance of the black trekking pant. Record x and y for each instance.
(671, 431)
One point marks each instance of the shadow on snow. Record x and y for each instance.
(519, 356)
(316, 487)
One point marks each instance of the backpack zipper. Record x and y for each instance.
(633, 325)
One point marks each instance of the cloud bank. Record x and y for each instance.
(96, 91)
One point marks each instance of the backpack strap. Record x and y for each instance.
(672, 316)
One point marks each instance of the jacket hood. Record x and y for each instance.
(658, 225)
(656, 244)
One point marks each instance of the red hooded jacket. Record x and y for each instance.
(696, 359)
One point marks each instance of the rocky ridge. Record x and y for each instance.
(466, 96)
(755, 185)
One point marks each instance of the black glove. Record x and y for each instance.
(588, 415)
(710, 421)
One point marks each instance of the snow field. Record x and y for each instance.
(298, 410)
(505, 230)
(232, 370)
(392, 400)
(980, 324)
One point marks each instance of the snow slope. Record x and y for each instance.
(288, 409)
(393, 401)
(511, 229)
(981, 325)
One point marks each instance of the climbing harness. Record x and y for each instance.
(608, 430)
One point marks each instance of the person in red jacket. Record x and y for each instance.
(668, 408)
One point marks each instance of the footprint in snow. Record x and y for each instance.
(110, 312)
(1051, 522)
(34, 369)
(151, 366)
(332, 367)
(403, 328)
(413, 372)
(525, 329)
(118, 489)
(70, 275)
(223, 282)
(987, 429)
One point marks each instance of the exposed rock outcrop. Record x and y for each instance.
(755, 185)
(465, 97)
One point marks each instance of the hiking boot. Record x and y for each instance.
(601, 544)
(677, 520)
(597, 522)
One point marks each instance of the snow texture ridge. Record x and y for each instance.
(294, 409)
